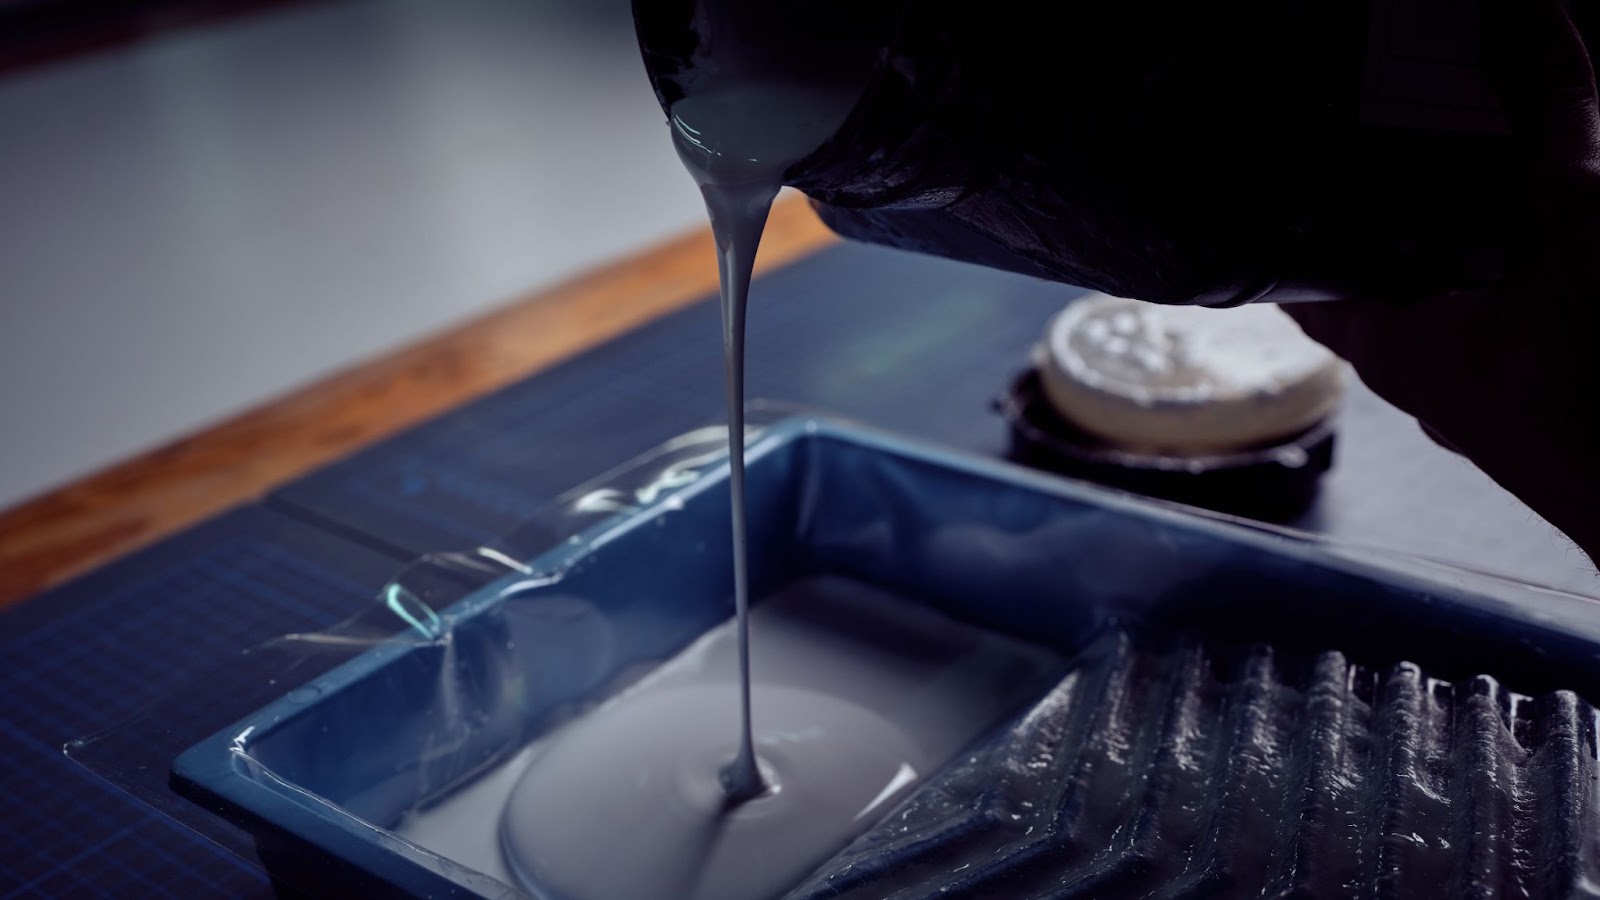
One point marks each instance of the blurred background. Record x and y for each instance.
(206, 203)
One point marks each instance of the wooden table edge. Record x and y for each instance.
(66, 532)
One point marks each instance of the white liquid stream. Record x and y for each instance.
(653, 795)
(737, 143)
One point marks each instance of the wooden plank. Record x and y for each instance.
(47, 540)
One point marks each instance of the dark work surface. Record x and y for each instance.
(87, 656)
(911, 344)
(905, 342)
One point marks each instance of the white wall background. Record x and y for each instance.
(191, 226)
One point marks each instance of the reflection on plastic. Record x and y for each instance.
(413, 611)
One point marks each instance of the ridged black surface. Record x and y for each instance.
(1183, 769)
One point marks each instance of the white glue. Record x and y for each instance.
(858, 696)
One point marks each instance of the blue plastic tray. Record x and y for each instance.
(320, 775)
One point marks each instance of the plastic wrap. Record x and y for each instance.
(338, 750)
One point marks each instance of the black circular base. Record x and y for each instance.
(1273, 482)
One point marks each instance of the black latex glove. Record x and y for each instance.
(1510, 377)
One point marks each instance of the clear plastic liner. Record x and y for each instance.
(437, 688)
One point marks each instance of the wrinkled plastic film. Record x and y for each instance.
(374, 730)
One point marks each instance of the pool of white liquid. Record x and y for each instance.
(858, 696)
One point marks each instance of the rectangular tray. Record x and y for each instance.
(321, 775)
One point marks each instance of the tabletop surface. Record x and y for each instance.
(912, 344)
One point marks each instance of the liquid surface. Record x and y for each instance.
(659, 822)
(858, 695)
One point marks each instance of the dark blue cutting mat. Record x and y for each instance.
(911, 344)
(87, 656)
